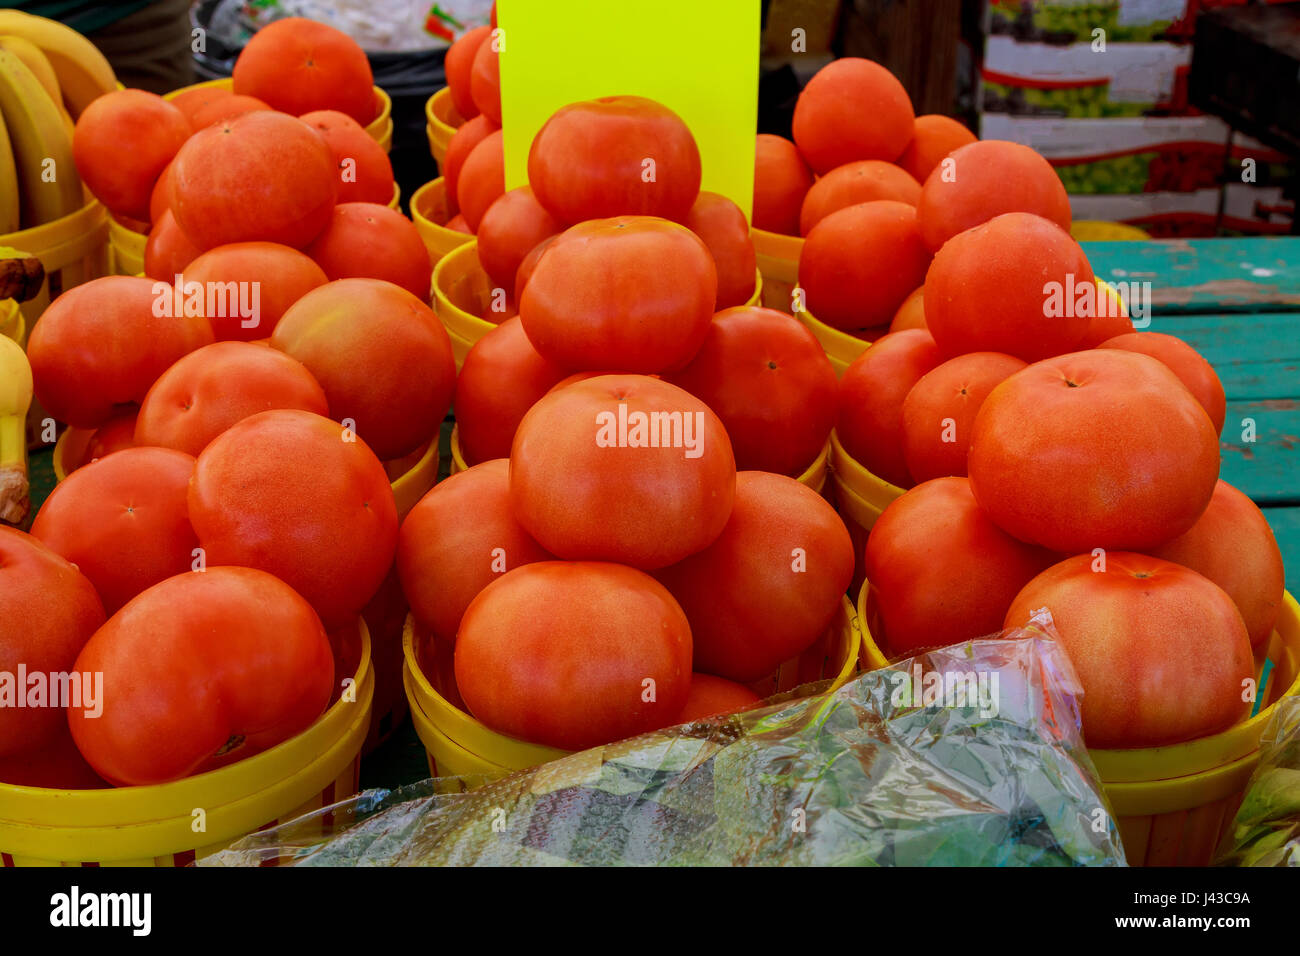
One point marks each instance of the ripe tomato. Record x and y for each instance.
(364, 170)
(56, 764)
(481, 180)
(177, 702)
(1185, 362)
(986, 179)
(100, 344)
(869, 422)
(160, 199)
(368, 241)
(615, 156)
(48, 610)
(190, 101)
(114, 435)
(867, 180)
(933, 137)
(462, 144)
(502, 377)
(911, 314)
(559, 653)
(512, 227)
(485, 80)
(225, 108)
(781, 181)
(722, 227)
(168, 250)
(1110, 319)
(1233, 545)
(529, 264)
(457, 223)
(649, 312)
(769, 380)
(1161, 652)
(122, 520)
(979, 297)
(942, 572)
(940, 409)
(859, 264)
(287, 492)
(852, 109)
(599, 470)
(298, 65)
(382, 357)
(122, 143)
(457, 65)
(277, 275)
(1096, 449)
(456, 541)
(770, 584)
(263, 175)
(218, 385)
(713, 697)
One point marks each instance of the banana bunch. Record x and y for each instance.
(49, 73)
(15, 400)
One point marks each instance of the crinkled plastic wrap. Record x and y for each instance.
(1266, 831)
(966, 756)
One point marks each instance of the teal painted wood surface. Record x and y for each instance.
(1206, 275)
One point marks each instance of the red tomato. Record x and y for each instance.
(122, 143)
(114, 435)
(263, 175)
(160, 200)
(986, 179)
(867, 180)
(1097, 449)
(48, 610)
(1185, 362)
(599, 471)
(1110, 319)
(852, 109)
(56, 764)
(481, 180)
(713, 697)
(382, 357)
(1233, 545)
(191, 100)
(502, 377)
(769, 586)
(462, 144)
(722, 227)
(513, 226)
(859, 264)
(122, 520)
(940, 409)
(529, 265)
(485, 80)
(942, 572)
(100, 344)
(287, 492)
(781, 180)
(168, 250)
(177, 702)
(211, 389)
(870, 419)
(364, 170)
(457, 65)
(225, 108)
(456, 541)
(769, 380)
(457, 223)
(559, 653)
(298, 65)
(615, 156)
(979, 297)
(368, 241)
(272, 276)
(933, 138)
(1161, 652)
(911, 314)
(650, 311)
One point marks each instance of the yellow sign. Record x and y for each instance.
(697, 57)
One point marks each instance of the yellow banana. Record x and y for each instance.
(21, 274)
(82, 71)
(47, 175)
(15, 399)
(36, 61)
(9, 201)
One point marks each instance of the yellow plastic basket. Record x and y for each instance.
(153, 826)
(840, 347)
(443, 121)
(778, 261)
(457, 744)
(73, 250)
(860, 496)
(430, 212)
(1174, 805)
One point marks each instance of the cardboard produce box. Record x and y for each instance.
(1068, 21)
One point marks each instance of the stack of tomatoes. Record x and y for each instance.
(603, 568)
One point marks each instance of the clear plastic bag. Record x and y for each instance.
(1266, 831)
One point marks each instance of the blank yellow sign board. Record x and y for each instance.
(697, 57)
